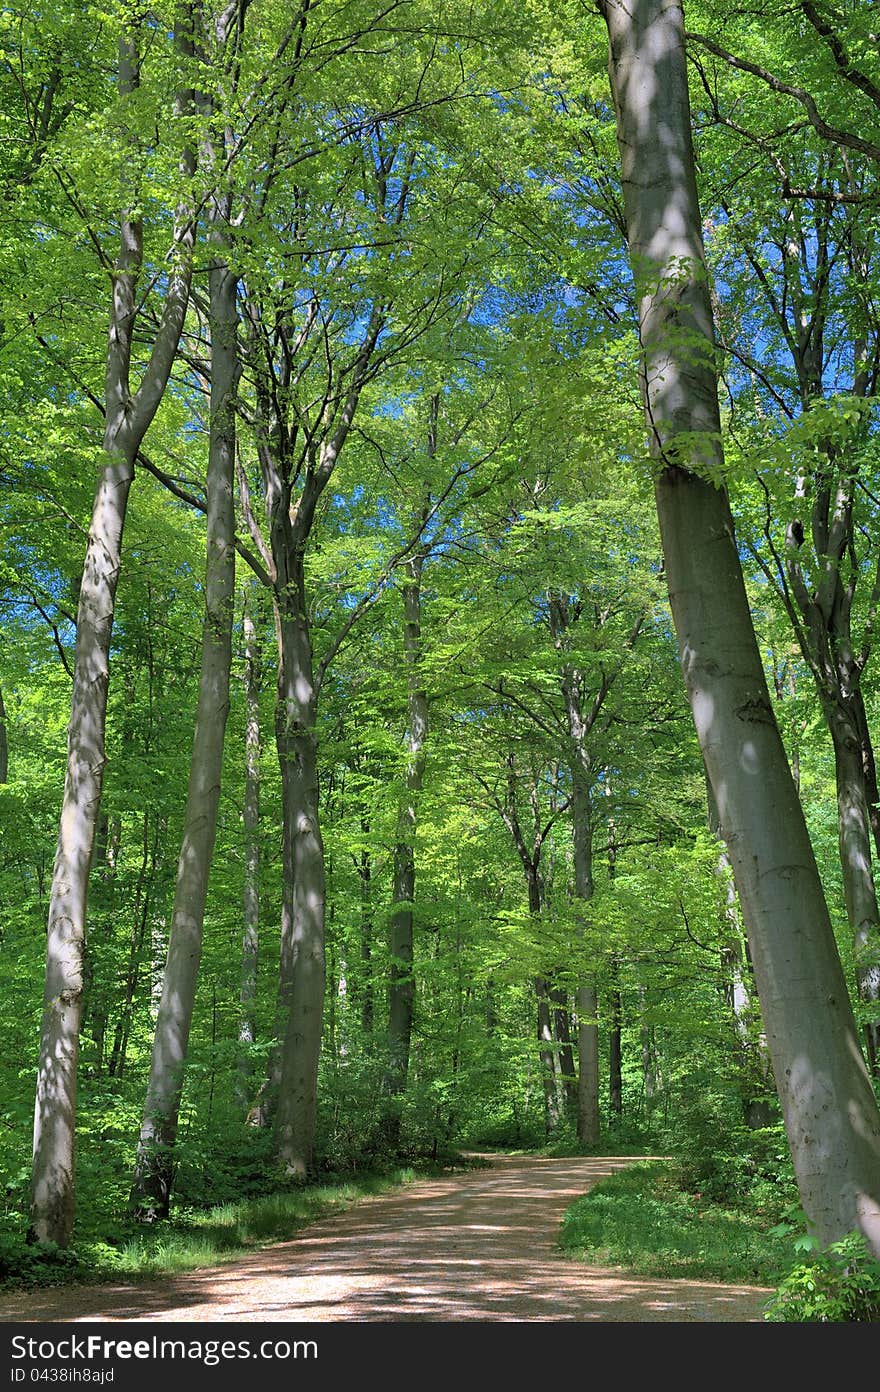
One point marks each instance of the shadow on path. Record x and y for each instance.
(474, 1247)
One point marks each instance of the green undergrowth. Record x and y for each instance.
(194, 1237)
(643, 1219)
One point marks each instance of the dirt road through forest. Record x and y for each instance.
(475, 1246)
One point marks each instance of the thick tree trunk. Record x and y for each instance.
(127, 417)
(151, 1190)
(52, 1211)
(303, 900)
(4, 743)
(830, 1111)
(247, 1028)
(401, 993)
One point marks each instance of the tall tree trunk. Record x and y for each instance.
(151, 1190)
(650, 1070)
(564, 1050)
(586, 998)
(127, 416)
(547, 1057)
(830, 1111)
(253, 680)
(140, 915)
(303, 899)
(615, 1051)
(854, 844)
(365, 876)
(401, 993)
(755, 1072)
(4, 742)
(546, 1047)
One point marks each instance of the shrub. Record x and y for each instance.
(840, 1284)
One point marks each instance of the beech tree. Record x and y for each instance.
(809, 1021)
(128, 412)
(388, 332)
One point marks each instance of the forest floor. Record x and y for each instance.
(474, 1246)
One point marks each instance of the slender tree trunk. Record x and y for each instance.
(365, 874)
(303, 905)
(586, 998)
(615, 1051)
(401, 994)
(756, 1072)
(854, 842)
(140, 914)
(4, 743)
(126, 419)
(547, 1056)
(154, 1166)
(564, 1050)
(247, 1031)
(546, 1048)
(650, 1071)
(830, 1111)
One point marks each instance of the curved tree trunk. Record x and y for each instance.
(830, 1111)
(154, 1168)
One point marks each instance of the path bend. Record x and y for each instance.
(477, 1246)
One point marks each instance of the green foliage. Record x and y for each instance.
(197, 1237)
(727, 1162)
(645, 1220)
(505, 300)
(840, 1284)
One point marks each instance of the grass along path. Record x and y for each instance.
(642, 1220)
(476, 1246)
(194, 1238)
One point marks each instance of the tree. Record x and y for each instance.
(127, 416)
(154, 1166)
(808, 1017)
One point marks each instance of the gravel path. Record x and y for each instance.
(479, 1246)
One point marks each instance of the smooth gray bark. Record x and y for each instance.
(581, 770)
(304, 893)
(128, 415)
(292, 1086)
(830, 1111)
(154, 1167)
